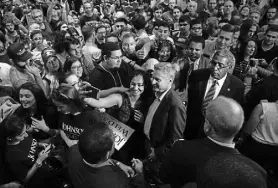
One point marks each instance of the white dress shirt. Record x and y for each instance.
(218, 85)
(151, 112)
(223, 144)
(195, 64)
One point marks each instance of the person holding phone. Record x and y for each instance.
(24, 154)
(74, 76)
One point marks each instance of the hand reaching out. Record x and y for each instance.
(33, 70)
(39, 124)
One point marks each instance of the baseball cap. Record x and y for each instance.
(47, 53)
(18, 52)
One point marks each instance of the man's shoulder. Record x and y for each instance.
(201, 74)
(189, 146)
(173, 98)
(235, 82)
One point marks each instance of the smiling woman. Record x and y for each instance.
(40, 116)
(130, 108)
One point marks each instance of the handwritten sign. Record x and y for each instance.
(121, 131)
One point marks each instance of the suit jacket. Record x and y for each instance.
(188, 160)
(232, 88)
(168, 124)
(181, 78)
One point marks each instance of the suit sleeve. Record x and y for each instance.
(176, 124)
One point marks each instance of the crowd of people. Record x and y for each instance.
(197, 81)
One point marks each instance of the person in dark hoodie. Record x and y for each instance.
(111, 72)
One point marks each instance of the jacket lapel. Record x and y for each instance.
(225, 88)
(203, 85)
(160, 109)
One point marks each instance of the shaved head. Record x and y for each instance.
(225, 117)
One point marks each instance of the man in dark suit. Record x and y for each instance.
(165, 121)
(205, 85)
(193, 60)
(194, 160)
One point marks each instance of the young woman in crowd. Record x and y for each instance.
(130, 108)
(41, 117)
(165, 51)
(248, 30)
(245, 64)
(73, 117)
(73, 66)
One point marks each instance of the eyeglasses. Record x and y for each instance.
(219, 65)
(116, 58)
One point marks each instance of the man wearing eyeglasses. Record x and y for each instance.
(205, 85)
(111, 72)
(224, 41)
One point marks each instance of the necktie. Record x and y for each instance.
(210, 95)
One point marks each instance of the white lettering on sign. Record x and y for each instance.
(121, 131)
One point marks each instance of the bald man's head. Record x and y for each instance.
(225, 117)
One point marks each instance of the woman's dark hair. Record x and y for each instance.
(244, 29)
(41, 100)
(68, 95)
(33, 33)
(59, 42)
(59, 25)
(147, 95)
(243, 48)
(14, 126)
(68, 63)
(70, 41)
(72, 30)
(167, 43)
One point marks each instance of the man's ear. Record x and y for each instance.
(104, 57)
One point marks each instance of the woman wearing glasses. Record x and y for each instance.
(74, 76)
(165, 51)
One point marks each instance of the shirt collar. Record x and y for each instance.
(222, 144)
(219, 82)
(194, 62)
(162, 95)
